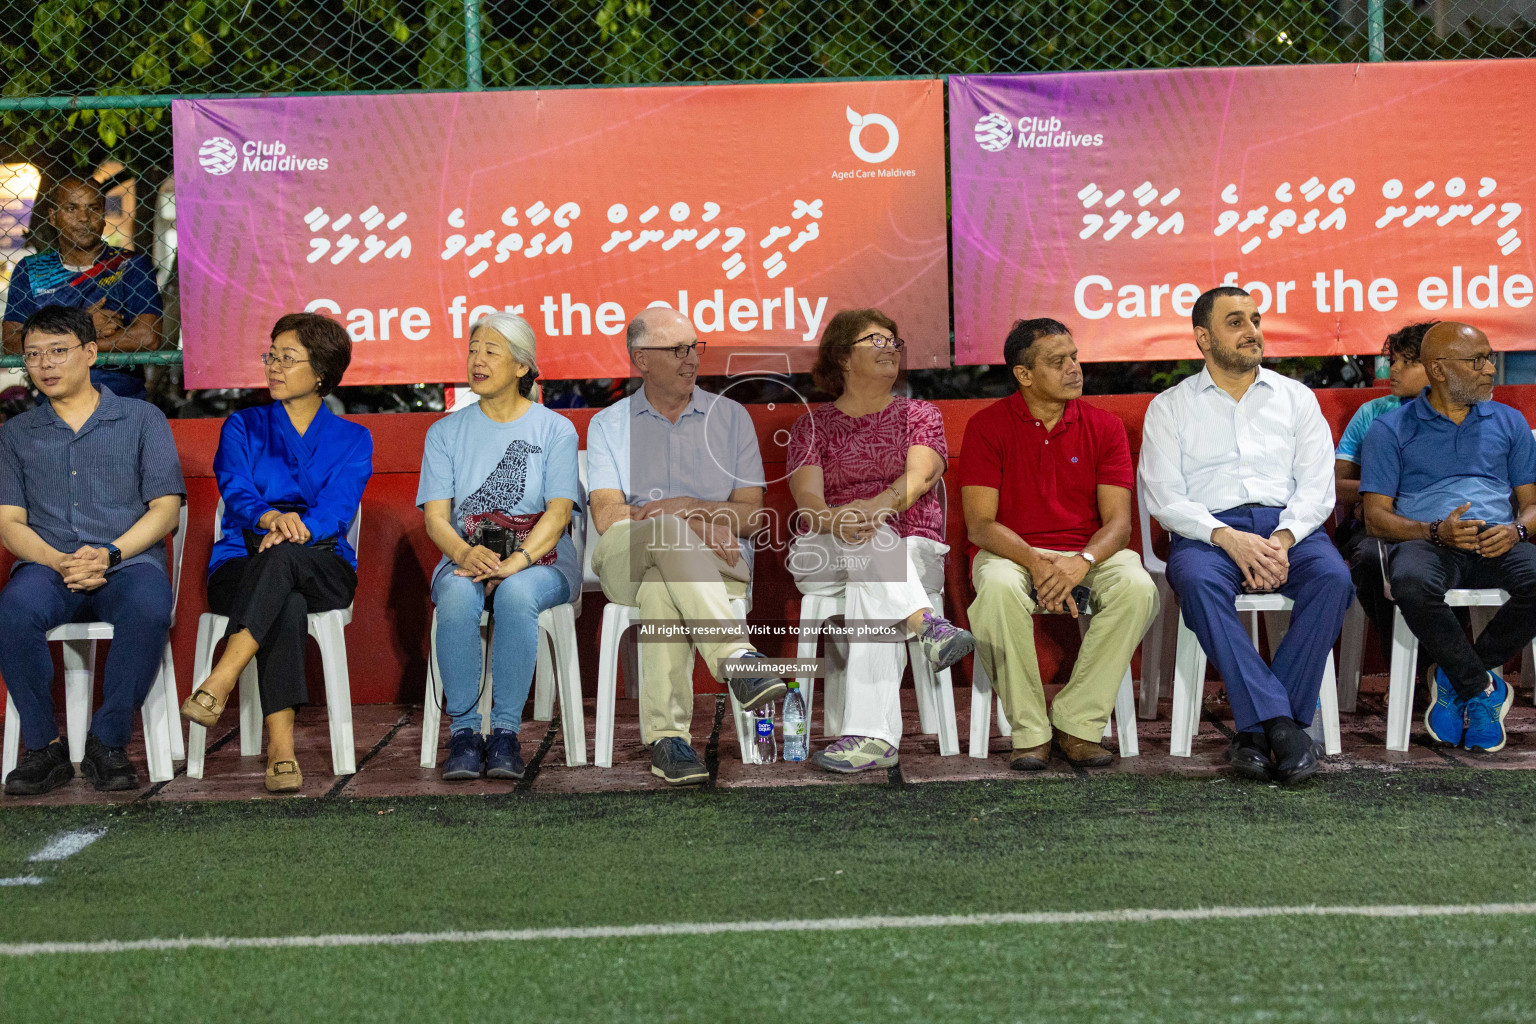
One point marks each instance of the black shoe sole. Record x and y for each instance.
(1250, 771)
(1298, 777)
(680, 780)
(56, 778)
(504, 773)
(771, 693)
(464, 775)
(110, 783)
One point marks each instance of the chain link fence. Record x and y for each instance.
(88, 83)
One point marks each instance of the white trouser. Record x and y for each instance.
(882, 581)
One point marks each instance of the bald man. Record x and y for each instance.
(1436, 478)
(675, 481)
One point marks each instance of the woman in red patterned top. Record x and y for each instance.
(864, 471)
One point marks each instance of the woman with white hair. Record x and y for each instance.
(498, 486)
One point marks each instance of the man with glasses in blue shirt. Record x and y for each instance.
(90, 486)
(1436, 478)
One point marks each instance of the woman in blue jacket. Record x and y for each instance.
(291, 475)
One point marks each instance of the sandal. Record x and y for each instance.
(203, 708)
(284, 777)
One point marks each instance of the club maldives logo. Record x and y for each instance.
(219, 156)
(856, 136)
(995, 132)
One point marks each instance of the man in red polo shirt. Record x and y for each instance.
(1046, 481)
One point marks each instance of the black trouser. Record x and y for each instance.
(270, 594)
(1421, 574)
(1363, 553)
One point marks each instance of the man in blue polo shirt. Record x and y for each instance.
(90, 485)
(115, 286)
(1436, 478)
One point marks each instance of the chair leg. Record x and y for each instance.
(923, 686)
(173, 705)
(328, 630)
(567, 665)
(1188, 690)
(1405, 655)
(981, 710)
(614, 621)
(431, 709)
(744, 721)
(251, 718)
(1351, 655)
(79, 675)
(157, 735)
(1528, 664)
(1328, 698)
(202, 665)
(487, 698)
(12, 739)
(949, 728)
(543, 680)
(811, 616)
(1157, 649)
(1125, 717)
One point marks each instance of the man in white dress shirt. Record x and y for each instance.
(1237, 464)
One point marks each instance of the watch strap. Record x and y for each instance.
(114, 555)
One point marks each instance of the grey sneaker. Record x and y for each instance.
(752, 692)
(944, 642)
(674, 762)
(856, 754)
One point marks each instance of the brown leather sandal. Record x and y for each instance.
(284, 777)
(203, 708)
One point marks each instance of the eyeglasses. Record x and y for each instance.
(680, 351)
(48, 356)
(1478, 362)
(882, 341)
(286, 361)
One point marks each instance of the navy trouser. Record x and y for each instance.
(136, 599)
(1207, 582)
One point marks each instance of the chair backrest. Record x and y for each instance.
(354, 528)
(1148, 553)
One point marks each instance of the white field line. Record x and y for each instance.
(67, 844)
(831, 924)
(22, 880)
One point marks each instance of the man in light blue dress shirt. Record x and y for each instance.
(1237, 463)
(675, 481)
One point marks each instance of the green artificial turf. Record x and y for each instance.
(319, 867)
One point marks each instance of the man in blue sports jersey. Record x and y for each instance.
(1361, 551)
(116, 286)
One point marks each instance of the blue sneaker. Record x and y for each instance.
(1446, 716)
(1485, 716)
(504, 756)
(466, 756)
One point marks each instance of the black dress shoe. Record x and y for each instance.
(1248, 755)
(1295, 755)
(107, 767)
(40, 771)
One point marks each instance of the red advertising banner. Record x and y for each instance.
(1349, 200)
(760, 210)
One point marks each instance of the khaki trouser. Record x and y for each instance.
(661, 566)
(1124, 604)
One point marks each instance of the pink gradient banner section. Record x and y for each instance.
(1349, 200)
(760, 210)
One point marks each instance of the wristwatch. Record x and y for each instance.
(1085, 556)
(1520, 529)
(113, 556)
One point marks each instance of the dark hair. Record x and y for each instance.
(841, 332)
(61, 320)
(1018, 349)
(75, 181)
(1406, 341)
(1200, 316)
(327, 342)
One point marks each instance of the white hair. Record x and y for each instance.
(518, 335)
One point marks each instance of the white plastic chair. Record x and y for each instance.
(162, 720)
(935, 692)
(1124, 718)
(1158, 644)
(561, 670)
(1405, 653)
(616, 620)
(328, 629)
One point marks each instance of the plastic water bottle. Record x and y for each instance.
(767, 747)
(796, 732)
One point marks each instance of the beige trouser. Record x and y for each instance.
(1124, 604)
(661, 566)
